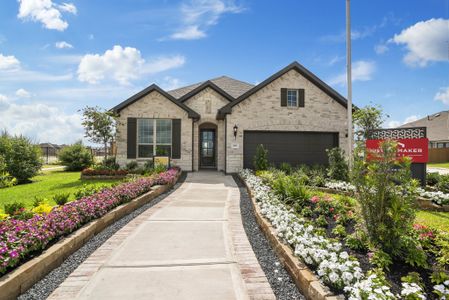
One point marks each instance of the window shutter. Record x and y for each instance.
(176, 139)
(301, 98)
(283, 97)
(131, 142)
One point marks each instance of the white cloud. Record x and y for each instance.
(426, 41)
(63, 44)
(443, 95)
(122, 65)
(41, 122)
(188, 33)
(381, 48)
(362, 70)
(9, 62)
(46, 12)
(170, 83)
(68, 7)
(395, 123)
(336, 59)
(199, 15)
(22, 93)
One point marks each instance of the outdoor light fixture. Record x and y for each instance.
(235, 131)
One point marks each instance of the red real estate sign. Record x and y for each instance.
(416, 149)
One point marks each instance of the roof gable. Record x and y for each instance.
(205, 85)
(293, 66)
(192, 114)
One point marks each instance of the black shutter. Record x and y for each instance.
(301, 100)
(176, 139)
(283, 97)
(132, 138)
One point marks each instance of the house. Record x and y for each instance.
(437, 128)
(218, 123)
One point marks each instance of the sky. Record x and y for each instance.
(57, 57)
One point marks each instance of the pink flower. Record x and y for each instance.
(315, 199)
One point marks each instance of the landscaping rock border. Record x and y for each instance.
(307, 283)
(25, 276)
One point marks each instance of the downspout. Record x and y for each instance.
(226, 144)
(193, 145)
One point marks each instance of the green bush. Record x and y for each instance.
(290, 189)
(443, 184)
(132, 165)
(432, 179)
(87, 190)
(338, 167)
(76, 157)
(21, 157)
(61, 198)
(386, 192)
(286, 168)
(6, 180)
(110, 163)
(260, 160)
(14, 208)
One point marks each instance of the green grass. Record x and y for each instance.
(439, 220)
(439, 165)
(45, 185)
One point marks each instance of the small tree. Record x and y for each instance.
(100, 126)
(21, 157)
(76, 157)
(338, 167)
(260, 160)
(386, 192)
(367, 119)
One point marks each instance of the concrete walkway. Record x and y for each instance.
(441, 171)
(191, 245)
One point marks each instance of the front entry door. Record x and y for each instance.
(207, 148)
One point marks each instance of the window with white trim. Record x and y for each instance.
(154, 137)
(292, 98)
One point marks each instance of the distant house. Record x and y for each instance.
(437, 128)
(49, 149)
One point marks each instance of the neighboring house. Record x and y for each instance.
(49, 149)
(218, 123)
(437, 128)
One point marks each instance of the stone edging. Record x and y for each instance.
(25, 276)
(305, 280)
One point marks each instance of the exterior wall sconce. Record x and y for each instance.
(235, 131)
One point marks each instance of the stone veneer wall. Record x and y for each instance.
(155, 105)
(263, 111)
(207, 103)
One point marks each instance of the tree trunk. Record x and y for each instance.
(105, 150)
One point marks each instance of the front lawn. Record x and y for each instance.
(439, 165)
(433, 219)
(46, 185)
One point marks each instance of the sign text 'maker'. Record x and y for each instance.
(416, 149)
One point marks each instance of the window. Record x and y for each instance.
(292, 98)
(154, 137)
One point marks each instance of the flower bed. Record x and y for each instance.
(22, 239)
(329, 257)
(102, 173)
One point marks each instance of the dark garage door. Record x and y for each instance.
(289, 146)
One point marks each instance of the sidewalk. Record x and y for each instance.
(189, 246)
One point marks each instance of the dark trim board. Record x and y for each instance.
(293, 147)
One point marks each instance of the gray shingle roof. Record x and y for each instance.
(437, 126)
(232, 86)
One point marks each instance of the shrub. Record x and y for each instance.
(87, 190)
(338, 167)
(260, 160)
(290, 190)
(61, 198)
(132, 165)
(286, 168)
(148, 166)
(432, 179)
(76, 157)
(110, 163)
(21, 157)
(14, 208)
(386, 192)
(443, 184)
(6, 180)
(42, 208)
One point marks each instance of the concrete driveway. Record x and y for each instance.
(189, 246)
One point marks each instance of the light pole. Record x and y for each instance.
(349, 79)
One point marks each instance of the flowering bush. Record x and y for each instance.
(438, 197)
(340, 186)
(19, 239)
(442, 290)
(104, 172)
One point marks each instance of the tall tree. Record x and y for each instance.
(100, 126)
(367, 119)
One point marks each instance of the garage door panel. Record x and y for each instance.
(291, 147)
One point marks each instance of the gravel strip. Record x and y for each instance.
(43, 288)
(280, 281)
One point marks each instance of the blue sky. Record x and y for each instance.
(57, 57)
